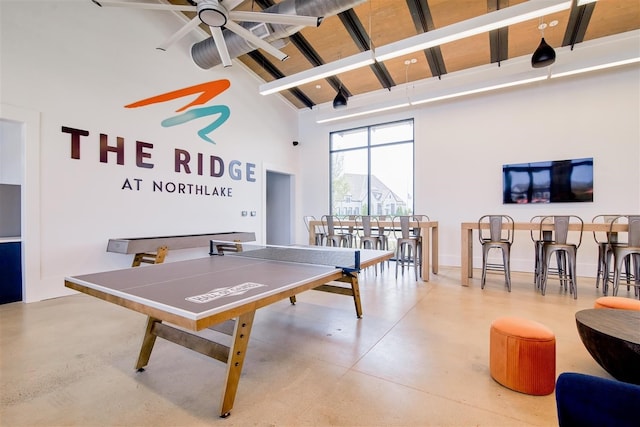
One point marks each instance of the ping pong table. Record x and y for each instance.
(222, 292)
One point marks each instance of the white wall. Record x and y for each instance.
(74, 64)
(461, 145)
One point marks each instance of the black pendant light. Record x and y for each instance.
(543, 56)
(340, 101)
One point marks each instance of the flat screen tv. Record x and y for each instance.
(556, 181)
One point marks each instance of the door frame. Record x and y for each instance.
(281, 170)
(30, 206)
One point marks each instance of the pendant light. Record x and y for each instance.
(544, 54)
(340, 101)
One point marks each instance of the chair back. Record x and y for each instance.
(419, 219)
(633, 235)
(308, 218)
(380, 218)
(402, 226)
(329, 224)
(351, 229)
(365, 225)
(500, 228)
(561, 225)
(539, 234)
(608, 236)
(634, 231)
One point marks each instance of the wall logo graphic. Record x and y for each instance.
(207, 91)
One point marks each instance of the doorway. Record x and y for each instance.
(33, 288)
(279, 208)
(11, 179)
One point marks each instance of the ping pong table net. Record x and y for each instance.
(345, 258)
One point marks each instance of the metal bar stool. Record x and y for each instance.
(408, 242)
(499, 235)
(623, 252)
(562, 245)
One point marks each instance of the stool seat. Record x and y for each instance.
(522, 355)
(617, 302)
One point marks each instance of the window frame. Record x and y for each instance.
(368, 147)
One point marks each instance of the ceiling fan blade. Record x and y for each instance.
(254, 40)
(156, 6)
(275, 18)
(221, 45)
(189, 26)
(231, 4)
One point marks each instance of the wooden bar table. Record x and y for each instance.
(466, 243)
(428, 231)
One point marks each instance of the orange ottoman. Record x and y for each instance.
(617, 302)
(522, 355)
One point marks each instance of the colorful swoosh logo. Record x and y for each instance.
(207, 91)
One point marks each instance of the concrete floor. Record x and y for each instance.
(418, 357)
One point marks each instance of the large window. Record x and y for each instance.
(372, 170)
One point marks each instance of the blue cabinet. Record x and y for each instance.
(10, 272)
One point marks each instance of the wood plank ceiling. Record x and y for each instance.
(380, 22)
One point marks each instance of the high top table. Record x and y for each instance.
(428, 231)
(466, 244)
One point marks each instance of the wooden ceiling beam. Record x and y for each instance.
(314, 58)
(308, 52)
(578, 22)
(277, 74)
(423, 21)
(359, 35)
(498, 39)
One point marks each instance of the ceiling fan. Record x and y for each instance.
(219, 14)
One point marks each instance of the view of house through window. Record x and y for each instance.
(372, 170)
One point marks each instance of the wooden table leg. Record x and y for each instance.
(353, 290)
(434, 250)
(150, 258)
(237, 354)
(233, 356)
(426, 256)
(352, 278)
(466, 256)
(147, 344)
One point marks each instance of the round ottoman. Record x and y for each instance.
(617, 302)
(522, 355)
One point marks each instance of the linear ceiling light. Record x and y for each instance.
(471, 27)
(356, 112)
(479, 90)
(596, 67)
(349, 63)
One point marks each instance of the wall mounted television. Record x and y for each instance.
(556, 181)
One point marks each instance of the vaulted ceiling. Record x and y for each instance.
(374, 23)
